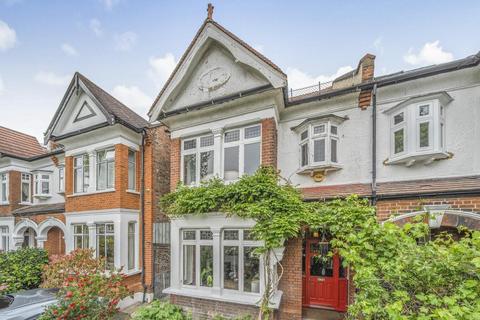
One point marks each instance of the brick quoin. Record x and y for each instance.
(14, 194)
(175, 145)
(269, 142)
(291, 282)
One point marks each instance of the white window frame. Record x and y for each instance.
(27, 179)
(39, 179)
(85, 186)
(83, 236)
(197, 151)
(4, 239)
(241, 143)
(105, 162)
(105, 235)
(134, 164)
(4, 186)
(327, 136)
(198, 242)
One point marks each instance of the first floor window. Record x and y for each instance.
(81, 173)
(42, 184)
(26, 189)
(80, 236)
(197, 255)
(105, 169)
(198, 159)
(319, 144)
(131, 245)
(4, 238)
(399, 141)
(132, 167)
(3, 187)
(106, 243)
(61, 179)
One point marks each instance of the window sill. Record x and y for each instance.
(90, 193)
(132, 191)
(132, 272)
(231, 297)
(42, 196)
(326, 167)
(425, 158)
(25, 203)
(4, 203)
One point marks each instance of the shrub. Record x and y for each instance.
(21, 269)
(158, 310)
(87, 291)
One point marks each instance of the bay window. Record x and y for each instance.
(106, 243)
(417, 130)
(132, 170)
(26, 188)
(105, 169)
(42, 185)
(198, 159)
(3, 188)
(80, 236)
(81, 173)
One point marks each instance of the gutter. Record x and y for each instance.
(41, 156)
(142, 213)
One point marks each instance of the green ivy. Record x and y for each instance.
(395, 276)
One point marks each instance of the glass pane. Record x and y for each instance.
(333, 150)
(232, 136)
(109, 228)
(321, 265)
(86, 173)
(78, 177)
(304, 135)
(189, 169)
(206, 266)
(231, 163)
(304, 154)
(100, 229)
(251, 270)
(319, 150)
(111, 175)
(230, 235)
(342, 272)
(101, 156)
(399, 141)
(78, 242)
(189, 235)
(319, 129)
(206, 235)
(131, 249)
(189, 265)
(206, 165)
(334, 130)
(102, 176)
(424, 110)
(252, 132)
(398, 118)
(25, 192)
(100, 246)
(78, 161)
(424, 139)
(206, 141)
(110, 242)
(248, 235)
(252, 158)
(230, 267)
(45, 187)
(45, 177)
(131, 156)
(189, 144)
(131, 176)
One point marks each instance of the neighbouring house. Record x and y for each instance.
(407, 141)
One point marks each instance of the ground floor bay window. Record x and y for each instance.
(213, 257)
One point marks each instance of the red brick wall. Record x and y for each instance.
(55, 244)
(119, 198)
(269, 142)
(14, 194)
(175, 156)
(291, 282)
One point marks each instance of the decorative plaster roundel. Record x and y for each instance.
(213, 79)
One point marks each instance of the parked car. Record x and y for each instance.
(26, 305)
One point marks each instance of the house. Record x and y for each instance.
(407, 141)
(91, 188)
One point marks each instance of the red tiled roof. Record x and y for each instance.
(17, 144)
(190, 46)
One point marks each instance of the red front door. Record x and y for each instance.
(325, 283)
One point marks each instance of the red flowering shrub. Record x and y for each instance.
(87, 291)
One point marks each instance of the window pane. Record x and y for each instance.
(25, 192)
(232, 136)
(248, 235)
(334, 130)
(333, 150)
(189, 235)
(102, 176)
(424, 110)
(399, 141)
(189, 265)
(189, 169)
(319, 150)
(131, 176)
(206, 235)
(231, 163)
(45, 187)
(110, 243)
(206, 165)
(111, 175)
(424, 137)
(252, 158)
(230, 267)
(304, 154)
(206, 141)
(251, 270)
(398, 118)
(304, 135)
(230, 235)
(321, 265)
(131, 246)
(252, 132)
(206, 266)
(189, 144)
(319, 129)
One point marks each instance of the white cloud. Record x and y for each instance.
(125, 41)
(133, 97)
(96, 27)
(8, 36)
(69, 49)
(52, 79)
(431, 53)
(2, 86)
(378, 45)
(109, 4)
(299, 79)
(161, 68)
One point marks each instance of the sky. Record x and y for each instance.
(129, 47)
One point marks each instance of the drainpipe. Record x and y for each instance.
(142, 212)
(374, 144)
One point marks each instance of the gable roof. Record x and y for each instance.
(19, 145)
(114, 110)
(192, 43)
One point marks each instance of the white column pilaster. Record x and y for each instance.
(217, 145)
(217, 254)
